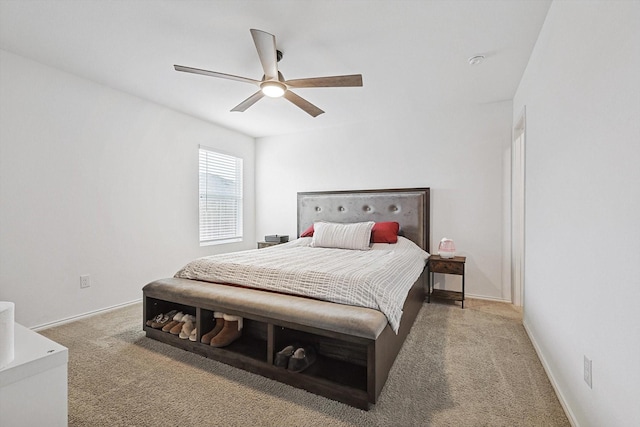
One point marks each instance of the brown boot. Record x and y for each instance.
(231, 331)
(206, 338)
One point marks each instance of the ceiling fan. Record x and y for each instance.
(273, 83)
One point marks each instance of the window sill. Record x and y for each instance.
(221, 242)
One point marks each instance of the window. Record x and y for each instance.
(220, 197)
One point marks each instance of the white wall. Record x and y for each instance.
(582, 95)
(458, 153)
(95, 181)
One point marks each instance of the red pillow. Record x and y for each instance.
(308, 232)
(385, 232)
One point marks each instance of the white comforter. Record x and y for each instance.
(379, 278)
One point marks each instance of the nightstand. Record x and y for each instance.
(454, 265)
(262, 245)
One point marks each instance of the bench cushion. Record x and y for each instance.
(345, 319)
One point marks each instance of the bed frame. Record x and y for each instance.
(356, 346)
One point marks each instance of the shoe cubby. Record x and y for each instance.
(156, 306)
(338, 361)
(252, 343)
(340, 370)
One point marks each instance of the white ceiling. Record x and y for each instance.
(412, 54)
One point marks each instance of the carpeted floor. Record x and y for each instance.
(471, 367)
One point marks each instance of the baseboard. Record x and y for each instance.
(552, 380)
(84, 315)
(466, 295)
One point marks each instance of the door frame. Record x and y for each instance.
(518, 163)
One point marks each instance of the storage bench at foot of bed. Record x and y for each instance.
(355, 346)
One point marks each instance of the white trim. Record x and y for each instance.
(221, 242)
(467, 296)
(84, 315)
(506, 284)
(552, 380)
(518, 166)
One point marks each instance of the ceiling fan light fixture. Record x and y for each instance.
(273, 83)
(273, 89)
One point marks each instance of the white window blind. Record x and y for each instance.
(220, 197)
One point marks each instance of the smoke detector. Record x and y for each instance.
(476, 60)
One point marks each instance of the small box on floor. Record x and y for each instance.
(276, 238)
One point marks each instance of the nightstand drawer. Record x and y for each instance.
(446, 267)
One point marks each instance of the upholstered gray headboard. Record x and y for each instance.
(408, 207)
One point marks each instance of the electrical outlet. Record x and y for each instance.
(85, 281)
(587, 371)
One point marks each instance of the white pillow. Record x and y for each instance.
(343, 236)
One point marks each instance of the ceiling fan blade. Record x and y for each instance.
(249, 101)
(352, 80)
(303, 103)
(215, 74)
(266, 47)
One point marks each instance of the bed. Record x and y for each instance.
(356, 345)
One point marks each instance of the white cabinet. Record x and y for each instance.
(33, 387)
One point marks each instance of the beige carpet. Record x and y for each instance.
(471, 367)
